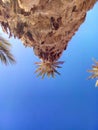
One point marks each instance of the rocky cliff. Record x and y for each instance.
(45, 25)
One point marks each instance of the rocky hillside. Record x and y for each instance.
(45, 25)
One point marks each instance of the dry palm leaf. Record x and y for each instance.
(5, 55)
(94, 72)
(48, 68)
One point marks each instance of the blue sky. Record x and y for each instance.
(68, 102)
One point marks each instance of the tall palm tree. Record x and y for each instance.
(6, 56)
(45, 25)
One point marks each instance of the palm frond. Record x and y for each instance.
(96, 62)
(96, 85)
(94, 71)
(6, 56)
(48, 68)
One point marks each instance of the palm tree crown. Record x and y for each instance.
(48, 68)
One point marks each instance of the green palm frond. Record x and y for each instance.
(6, 56)
(48, 68)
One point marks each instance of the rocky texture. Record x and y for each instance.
(45, 25)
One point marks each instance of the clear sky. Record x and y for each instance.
(68, 102)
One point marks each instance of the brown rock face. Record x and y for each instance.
(45, 25)
(28, 4)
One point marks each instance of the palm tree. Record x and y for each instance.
(45, 25)
(48, 68)
(94, 72)
(5, 55)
